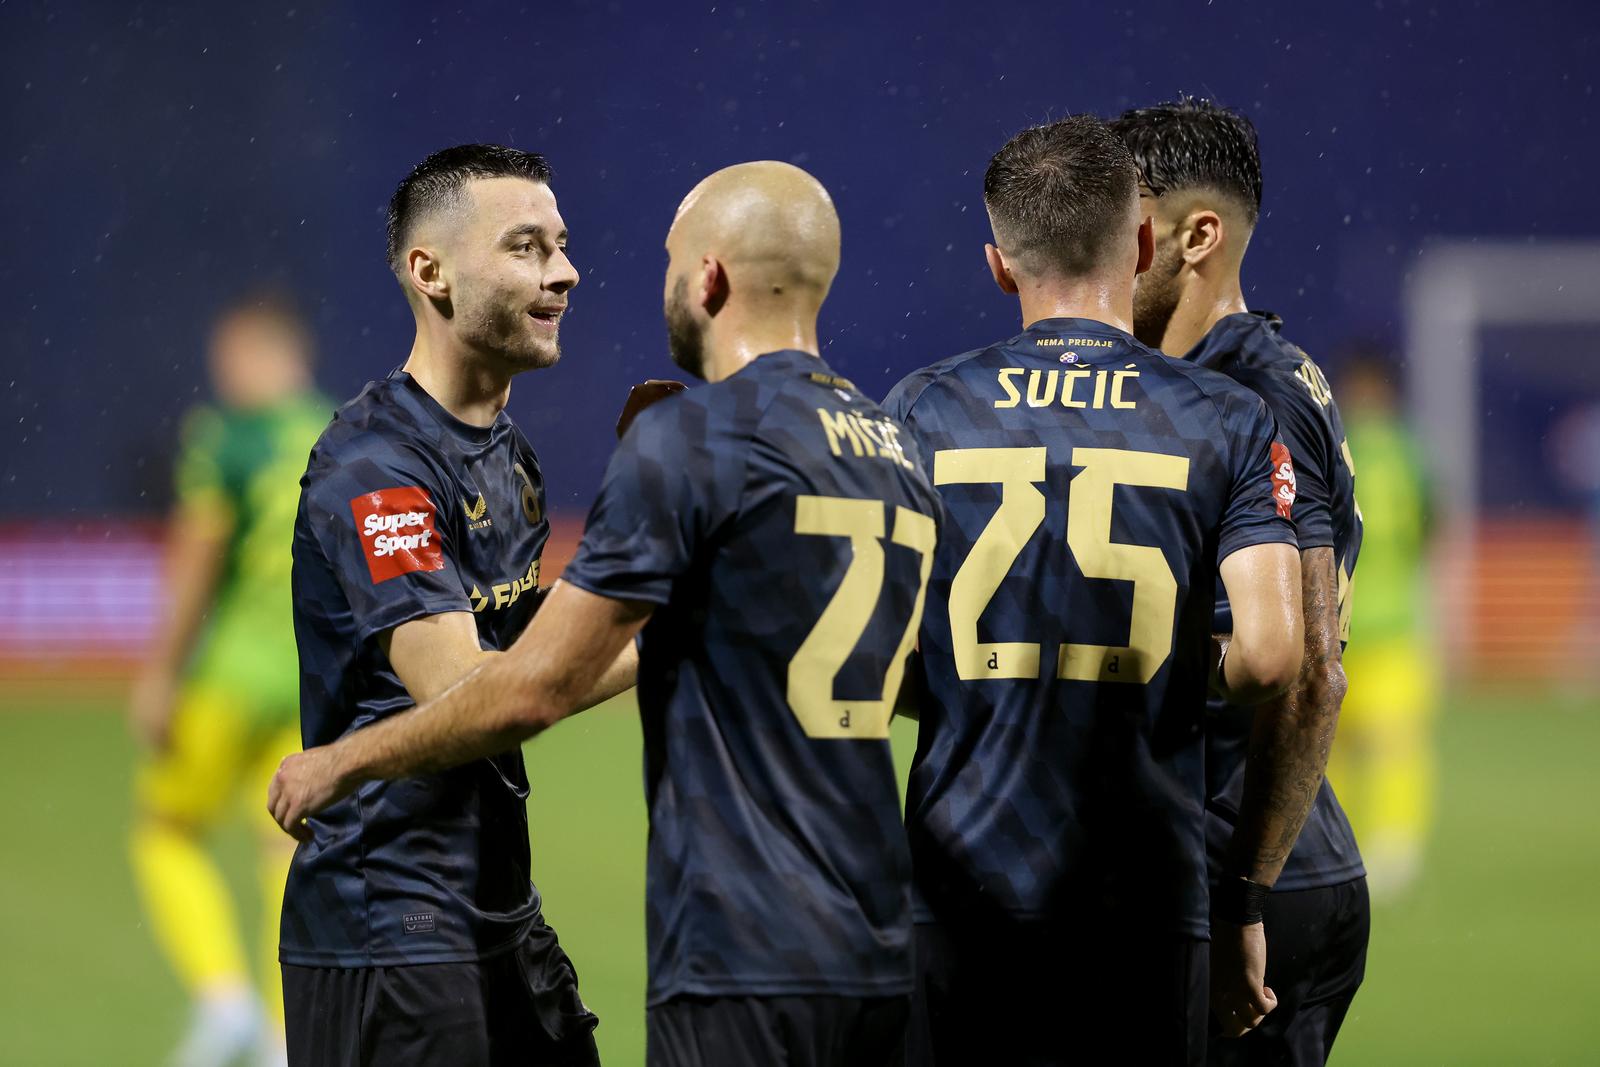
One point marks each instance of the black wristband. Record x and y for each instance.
(1239, 901)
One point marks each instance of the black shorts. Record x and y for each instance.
(518, 1007)
(1316, 958)
(797, 1031)
(1041, 994)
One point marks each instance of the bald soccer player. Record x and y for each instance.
(771, 534)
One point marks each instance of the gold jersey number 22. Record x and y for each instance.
(1019, 471)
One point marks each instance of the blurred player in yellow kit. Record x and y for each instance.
(1383, 763)
(217, 701)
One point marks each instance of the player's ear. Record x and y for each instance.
(1147, 244)
(426, 275)
(1203, 233)
(998, 270)
(713, 284)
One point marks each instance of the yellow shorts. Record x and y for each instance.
(216, 756)
(1394, 680)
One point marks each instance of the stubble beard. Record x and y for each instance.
(1155, 296)
(685, 339)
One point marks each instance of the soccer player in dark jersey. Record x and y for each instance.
(772, 534)
(411, 930)
(1094, 491)
(1201, 180)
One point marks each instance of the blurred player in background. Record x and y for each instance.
(1200, 178)
(771, 535)
(1095, 491)
(216, 702)
(1383, 764)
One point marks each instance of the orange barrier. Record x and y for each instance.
(1518, 600)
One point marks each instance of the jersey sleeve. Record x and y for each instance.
(899, 403)
(1261, 495)
(377, 517)
(1303, 429)
(667, 492)
(199, 481)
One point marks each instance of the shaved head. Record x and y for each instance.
(772, 221)
(763, 235)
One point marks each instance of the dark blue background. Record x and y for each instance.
(160, 159)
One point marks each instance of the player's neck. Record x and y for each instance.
(1095, 298)
(461, 383)
(1202, 305)
(731, 346)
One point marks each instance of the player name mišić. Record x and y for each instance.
(879, 438)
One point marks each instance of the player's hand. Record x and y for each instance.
(306, 783)
(642, 396)
(150, 705)
(1240, 998)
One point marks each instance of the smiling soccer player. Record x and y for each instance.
(411, 930)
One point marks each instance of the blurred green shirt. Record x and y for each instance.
(1392, 492)
(245, 468)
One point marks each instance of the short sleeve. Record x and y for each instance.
(667, 492)
(199, 481)
(376, 517)
(1261, 493)
(1304, 432)
(899, 403)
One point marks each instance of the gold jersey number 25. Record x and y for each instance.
(1019, 471)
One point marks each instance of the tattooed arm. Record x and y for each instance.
(1292, 734)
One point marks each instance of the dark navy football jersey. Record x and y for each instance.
(406, 512)
(1091, 485)
(1249, 348)
(785, 530)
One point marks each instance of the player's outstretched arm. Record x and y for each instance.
(553, 668)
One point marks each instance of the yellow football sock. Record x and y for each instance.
(187, 902)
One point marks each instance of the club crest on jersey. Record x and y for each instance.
(532, 510)
(397, 532)
(1283, 480)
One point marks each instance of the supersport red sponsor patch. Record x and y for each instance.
(1283, 482)
(397, 532)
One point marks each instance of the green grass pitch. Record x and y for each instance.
(1494, 959)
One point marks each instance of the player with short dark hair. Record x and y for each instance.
(411, 930)
(771, 534)
(1200, 172)
(1095, 490)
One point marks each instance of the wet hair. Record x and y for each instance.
(1192, 143)
(437, 182)
(1058, 195)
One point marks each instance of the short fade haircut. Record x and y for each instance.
(1191, 143)
(1059, 194)
(437, 182)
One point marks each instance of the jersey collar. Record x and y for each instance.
(1066, 328)
(1227, 337)
(466, 432)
